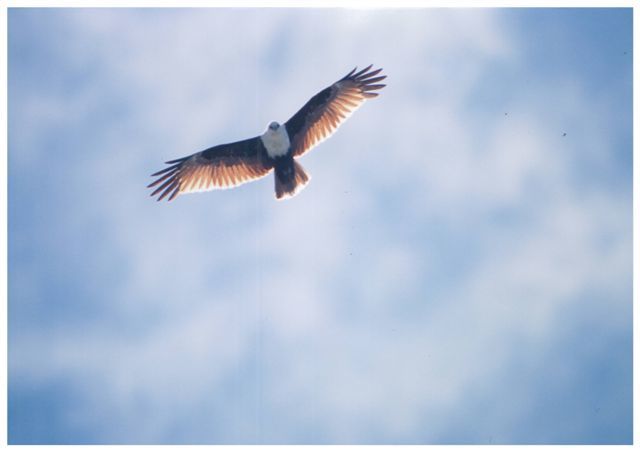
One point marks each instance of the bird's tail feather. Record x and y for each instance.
(286, 187)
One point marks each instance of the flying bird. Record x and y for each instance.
(232, 164)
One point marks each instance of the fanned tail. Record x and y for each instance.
(290, 180)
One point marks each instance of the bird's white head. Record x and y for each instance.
(274, 126)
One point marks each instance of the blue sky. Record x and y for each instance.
(457, 270)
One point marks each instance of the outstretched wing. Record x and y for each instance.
(223, 166)
(324, 112)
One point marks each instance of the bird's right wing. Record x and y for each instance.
(223, 166)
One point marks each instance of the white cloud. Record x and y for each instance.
(322, 294)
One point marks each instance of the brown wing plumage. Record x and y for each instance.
(324, 112)
(219, 167)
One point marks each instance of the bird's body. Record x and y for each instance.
(276, 140)
(232, 164)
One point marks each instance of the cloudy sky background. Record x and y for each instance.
(457, 271)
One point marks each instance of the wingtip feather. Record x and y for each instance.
(180, 160)
(350, 73)
(368, 75)
(358, 74)
(175, 193)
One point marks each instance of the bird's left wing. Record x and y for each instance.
(223, 166)
(324, 112)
